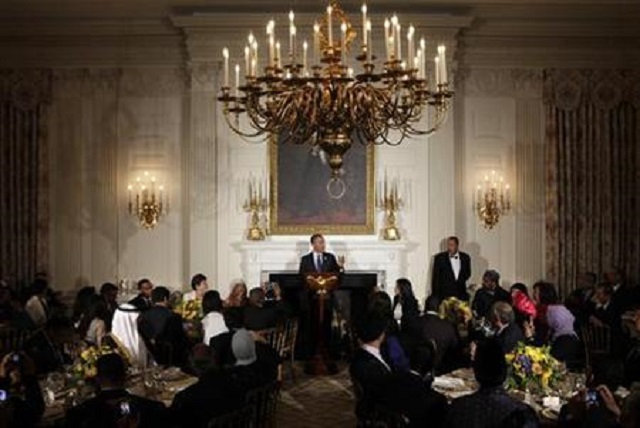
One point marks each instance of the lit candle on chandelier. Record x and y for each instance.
(247, 61)
(316, 43)
(292, 37)
(343, 43)
(364, 24)
(330, 24)
(369, 41)
(410, 53)
(225, 55)
(305, 46)
(237, 80)
(387, 36)
(436, 62)
(423, 54)
(443, 64)
(278, 56)
(270, 40)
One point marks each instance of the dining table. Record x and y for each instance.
(462, 382)
(62, 390)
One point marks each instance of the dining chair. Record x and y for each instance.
(264, 402)
(242, 418)
(12, 339)
(289, 333)
(597, 343)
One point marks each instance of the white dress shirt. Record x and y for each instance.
(455, 264)
(318, 261)
(376, 353)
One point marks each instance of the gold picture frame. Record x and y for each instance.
(357, 204)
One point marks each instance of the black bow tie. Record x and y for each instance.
(454, 257)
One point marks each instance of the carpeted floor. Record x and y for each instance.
(315, 402)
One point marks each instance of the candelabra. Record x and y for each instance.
(389, 201)
(256, 204)
(493, 200)
(146, 202)
(314, 96)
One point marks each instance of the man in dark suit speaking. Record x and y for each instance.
(451, 271)
(317, 261)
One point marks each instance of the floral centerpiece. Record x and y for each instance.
(85, 365)
(455, 311)
(532, 367)
(191, 312)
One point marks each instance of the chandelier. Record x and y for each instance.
(146, 203)
(313, 94)
(493, 200)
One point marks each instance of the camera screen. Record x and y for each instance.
(125, 409)
(3, 395)
(591, 397)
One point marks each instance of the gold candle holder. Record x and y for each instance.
(256, 205)
(389, 201)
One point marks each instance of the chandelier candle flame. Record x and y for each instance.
(492, 200)
(146, 202)
(389, 201)
(327, 106)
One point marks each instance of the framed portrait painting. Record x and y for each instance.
(300, 201)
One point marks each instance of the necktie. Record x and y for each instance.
(319, 263)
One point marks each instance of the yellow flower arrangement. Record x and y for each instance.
(190, 310)
(85, 366)
(532, 367)
(455, 311)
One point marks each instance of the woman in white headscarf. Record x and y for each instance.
(124, 330)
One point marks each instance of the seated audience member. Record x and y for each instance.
(384, 392)
(163, 331)
(623, 295)
(22, 405)
(405, 305)
(113, 406)
(249, 372)
(579, 300)
(199, 287)
(84, 299)
(524, 307)
(394, 353)
(490, 293)
(368, 369)
(124, 331)
(109, 295)
(560, 323)
(260, 314)
(213, 322)
(508, 333)
(37, 307)
(93, 325)
(7, 312)
(606, 312)
(213, 395)
(490, 406)
(142, 301)
(235, 304)
(444, 334)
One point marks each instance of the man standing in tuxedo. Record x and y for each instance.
(451, 271)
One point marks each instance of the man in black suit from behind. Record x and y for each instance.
(113, 406)
(383, 392)
(443, 333)
(451, 271)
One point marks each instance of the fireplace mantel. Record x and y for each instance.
(387, 258)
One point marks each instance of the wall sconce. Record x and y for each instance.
(492, 200)
(146, 202)
(389, 201)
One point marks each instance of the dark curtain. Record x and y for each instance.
(24, 217)
(593, 173)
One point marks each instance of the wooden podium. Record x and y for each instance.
(321, 285)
